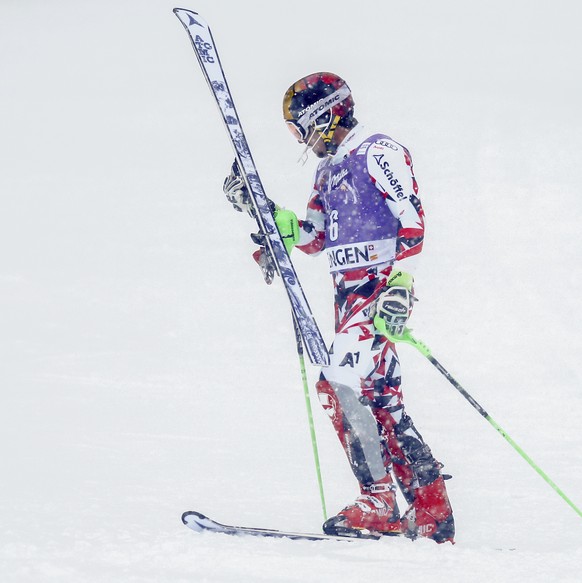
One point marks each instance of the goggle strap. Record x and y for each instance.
(328, 132)
(321, 106)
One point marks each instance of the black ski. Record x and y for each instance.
(200, 523)
(205, 49)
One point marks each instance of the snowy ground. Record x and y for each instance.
(145, 368)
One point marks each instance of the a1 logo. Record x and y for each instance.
(350, 359)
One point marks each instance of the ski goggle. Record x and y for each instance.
(300, 128)
(298, 132)
(325, 130)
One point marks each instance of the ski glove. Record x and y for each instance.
(263, 258)
(394, 305)
(288, 226)
(236, 191)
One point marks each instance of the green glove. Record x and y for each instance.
(288, 226)
(394, 305)
(399, 278)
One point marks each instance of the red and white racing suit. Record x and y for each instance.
(365, 212)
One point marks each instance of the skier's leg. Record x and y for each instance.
(339, 391)
(416, 470)
(356, 429)
(375, 509)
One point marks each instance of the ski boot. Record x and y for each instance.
(430, 515)
(374, 512)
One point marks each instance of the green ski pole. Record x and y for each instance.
(288, 227)
(425, 351)
(310, 416)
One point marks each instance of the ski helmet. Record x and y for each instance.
(319, 102)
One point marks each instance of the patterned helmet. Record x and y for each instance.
(319, 102)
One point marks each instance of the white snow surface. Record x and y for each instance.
(145, 368)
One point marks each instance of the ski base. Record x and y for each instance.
(200, 523)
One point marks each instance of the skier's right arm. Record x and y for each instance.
(312, 229)
(308, 235)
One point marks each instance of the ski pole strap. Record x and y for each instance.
(425, 351)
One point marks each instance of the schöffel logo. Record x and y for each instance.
(202, 48)
(385, 167)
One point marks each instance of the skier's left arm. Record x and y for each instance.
(390, 168)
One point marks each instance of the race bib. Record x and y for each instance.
(356, 255)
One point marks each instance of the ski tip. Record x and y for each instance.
(190, 516)
(189, 18)
(177, 12)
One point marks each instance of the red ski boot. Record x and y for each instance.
(375, 511)
(430, 515)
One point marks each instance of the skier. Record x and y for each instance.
(365, 212)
